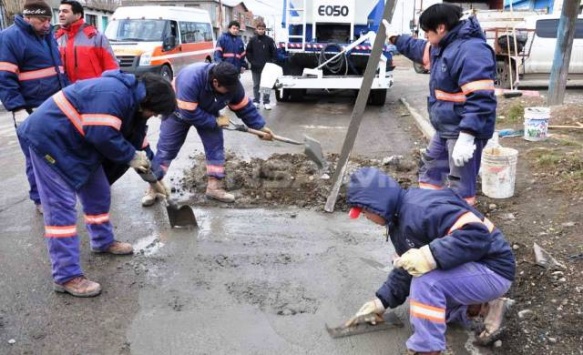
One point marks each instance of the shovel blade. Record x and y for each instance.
(313, 150)
(180, 216)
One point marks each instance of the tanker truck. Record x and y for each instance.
(328, 46)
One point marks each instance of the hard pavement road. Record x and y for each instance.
(247, 281)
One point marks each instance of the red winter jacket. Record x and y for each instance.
(85, 52)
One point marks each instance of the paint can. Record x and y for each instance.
(498, 172)
(536, 123)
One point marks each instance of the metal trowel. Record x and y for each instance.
(361, 326)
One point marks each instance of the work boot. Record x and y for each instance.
(149, 198)
(267, 107)
(215, 190)
(256, 104)
(79, 286)
(117, 248)
(493, 314)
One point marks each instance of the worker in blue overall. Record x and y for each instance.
(453, 264)
(202, 91)
(230, 47)
(461, 102)
(30, 70)
(69, 136)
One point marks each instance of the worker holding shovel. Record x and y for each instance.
(454, 265)
(69, 136)
(202, 91)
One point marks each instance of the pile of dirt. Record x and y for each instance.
(286, 179)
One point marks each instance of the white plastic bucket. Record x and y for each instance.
(269, 76)
(536, 123)
(499, 172)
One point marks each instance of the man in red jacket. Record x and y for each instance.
(86, 53)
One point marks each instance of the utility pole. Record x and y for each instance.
(562, 58)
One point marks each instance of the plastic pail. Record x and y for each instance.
(536, 123)
(499, 172)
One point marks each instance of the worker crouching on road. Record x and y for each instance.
(202, 90)
(453, 264)
(69, 136)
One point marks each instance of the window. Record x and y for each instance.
(91, 19)
(548, 28)
(193, 32)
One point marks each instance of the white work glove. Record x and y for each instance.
(370, 312)
(417, 261)
(223, 121)
(268, 136)
(140, 162)
(390, 31)
(161, 188)
(463, 149)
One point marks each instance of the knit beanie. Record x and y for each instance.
(36, 8)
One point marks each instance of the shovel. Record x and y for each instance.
(312, 148)
(179, 216)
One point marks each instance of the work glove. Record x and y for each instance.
(417, 261)
(268, 136)
(140, 162)
(463, 149)
(223, 121)
(370, 312)
(391, 32)
(161, 188)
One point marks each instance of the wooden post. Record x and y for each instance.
(359, 106)
(562, 58)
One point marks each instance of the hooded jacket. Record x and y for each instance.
(86, 123)
(455, 232)
(461, 83)
(85, 52)
(30, 66)
(231, 49)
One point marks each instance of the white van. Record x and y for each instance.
(160, 39)
(536, 42)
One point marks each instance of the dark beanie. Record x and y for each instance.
(36, 8)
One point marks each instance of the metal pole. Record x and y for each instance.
(359, 106)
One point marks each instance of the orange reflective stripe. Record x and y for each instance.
(470, 200)
(470, 217)
(37, 74)
(173, 83)
(240, 105)
(100, 119)
(60, 231)
(241, 55)
(478, 85)
(97, 219)
(6, 66)
(186, 105)
(228, 55)
(69, 111)
(219, 49)
(217, 169)
(446, 96)
(426, 186)
(424, 311)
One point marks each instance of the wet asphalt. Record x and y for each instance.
(247, 281)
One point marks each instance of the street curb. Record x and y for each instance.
(422, 123)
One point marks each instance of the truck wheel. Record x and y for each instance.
(503, 74)
(282, 95)
(297, 95)
(377, 97)
(166, 72)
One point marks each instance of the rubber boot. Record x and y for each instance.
(215, 190)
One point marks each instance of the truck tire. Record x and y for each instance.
(377, 97)
(282, 95)
(166, 72)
